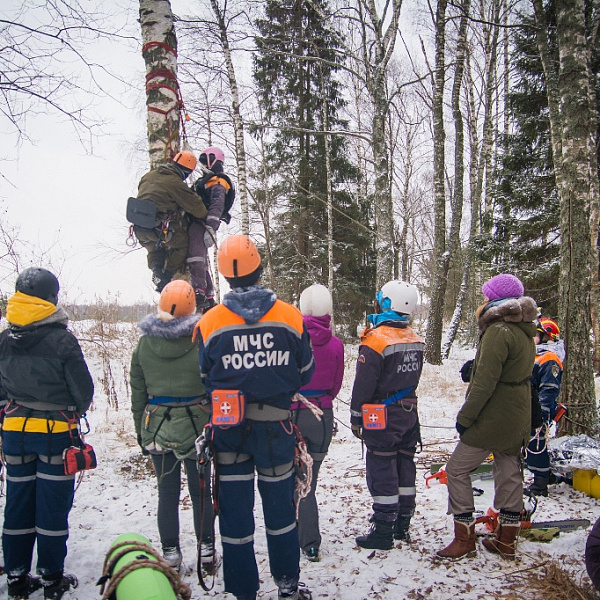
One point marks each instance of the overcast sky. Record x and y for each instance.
(67, 200)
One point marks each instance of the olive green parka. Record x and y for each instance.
(170, 193)
(165, 366)
(497, 408)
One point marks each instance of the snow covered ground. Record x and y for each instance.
(120, 496)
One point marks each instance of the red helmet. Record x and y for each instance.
(549, 327)
(211, 155)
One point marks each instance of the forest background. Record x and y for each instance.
(435, 142)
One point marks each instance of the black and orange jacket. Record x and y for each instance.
(258, 345)
(547, 375)
(390, 359)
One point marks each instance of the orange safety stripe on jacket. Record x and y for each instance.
(378, 339)
(220, 317)
(540, 359)
(215, 180)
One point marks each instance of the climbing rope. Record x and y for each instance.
(303, 463)
(173, 87)
(182, 590)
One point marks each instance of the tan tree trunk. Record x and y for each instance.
(163, 99)
(571, 120)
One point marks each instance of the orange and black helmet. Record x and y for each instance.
(177, 299)
(239, 261)
(186, 159)
(549, 327)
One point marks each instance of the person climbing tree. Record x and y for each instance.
(167, 242)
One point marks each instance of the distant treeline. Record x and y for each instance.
(109, 312)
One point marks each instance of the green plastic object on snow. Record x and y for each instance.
(144, 583)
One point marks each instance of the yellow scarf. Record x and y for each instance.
(22, 309)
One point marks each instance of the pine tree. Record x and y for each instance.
(526, 231)
(295, 70)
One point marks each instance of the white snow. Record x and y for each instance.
(120, 496)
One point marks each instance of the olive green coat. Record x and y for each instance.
(165, 363)
(497, 408)
(169, 192)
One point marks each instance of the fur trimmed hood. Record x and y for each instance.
(511, 310)
(178, 327)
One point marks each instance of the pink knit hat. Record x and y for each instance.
(504, 285)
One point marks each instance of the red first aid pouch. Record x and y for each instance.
(374, 416)
(79, 458)
(228, 407)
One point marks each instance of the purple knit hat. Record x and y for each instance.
(504, 285)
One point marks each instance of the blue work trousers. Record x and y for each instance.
(390, 465)
(39, 497)
(267, 447)
(538, 459)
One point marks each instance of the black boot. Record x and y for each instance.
(539, 487)
(401, 526)
(380, 536)
(20, 587)
(55, 587)
(160, 278)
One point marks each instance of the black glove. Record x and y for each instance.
(139, 441)
(357, 431)
(466, 371)
(460, 428)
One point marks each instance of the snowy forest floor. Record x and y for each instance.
(120, 496)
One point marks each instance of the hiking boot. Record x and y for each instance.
(312, 554)
(22, 586)
(209, 303)
(208, 557)
(300, 593)
(56, 588)
(201, 300)
(380, 536)
(401, 526)
(160, 279)
(172, 556)
(539, 487)
(463, 543)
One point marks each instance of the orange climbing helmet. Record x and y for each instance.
(186, 159)
(237, 257)
(549, 327)
(177, 299)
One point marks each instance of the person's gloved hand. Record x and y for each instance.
(460, 428)
(139, 441)
(357, 431)
(466, 371)
(209, 236)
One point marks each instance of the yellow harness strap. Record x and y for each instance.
(36, 425)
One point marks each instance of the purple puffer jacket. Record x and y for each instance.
(328, 352)
(592, 555)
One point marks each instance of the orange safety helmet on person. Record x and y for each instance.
(186, 159)
(549, 327)
(178, 299)
(237, 257)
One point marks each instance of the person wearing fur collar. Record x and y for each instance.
(170, 409)
(495, 417)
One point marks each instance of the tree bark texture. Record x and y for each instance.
(163, 99)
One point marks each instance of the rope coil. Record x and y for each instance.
(182, 590)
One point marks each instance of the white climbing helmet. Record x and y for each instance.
(316, 301)
(401, 297)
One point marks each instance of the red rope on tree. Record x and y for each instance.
(149, 45)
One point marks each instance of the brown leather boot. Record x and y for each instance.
(505, 542)
(463, 543)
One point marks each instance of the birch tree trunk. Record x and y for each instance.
(575, 159)
(459, 174)
(433, 337)
(376, 70)
(163, 99)
(238, 123)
